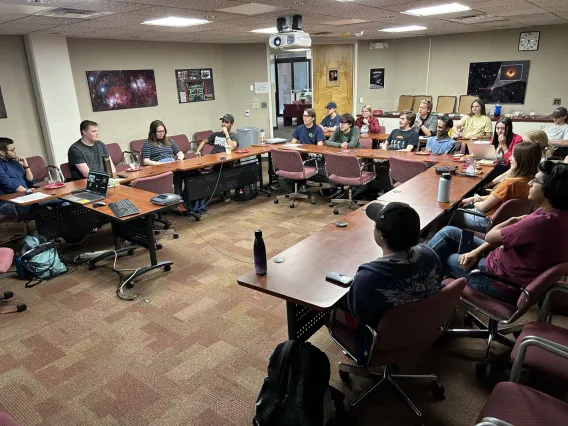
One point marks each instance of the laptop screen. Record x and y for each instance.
(97, 182)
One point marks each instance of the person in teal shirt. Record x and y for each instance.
(346, 135)
(441, 143)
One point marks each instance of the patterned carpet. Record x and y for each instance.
(193, 349)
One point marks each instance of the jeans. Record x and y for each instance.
(445, 243)
(472, 221)
(11, 211)
(199, 206)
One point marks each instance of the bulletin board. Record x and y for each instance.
(195, 85)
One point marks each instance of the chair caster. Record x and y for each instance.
(167, 268)
(8, 295)
(130, 252)
(292, 205)
(176, 236)
(330, 204)
(437, 389)
(158, 246)
(156, 232)
(482, 370)
(313, 202)
(344, 376)
(467, 321)
(22, 307)
(276, 201)
(335, 211)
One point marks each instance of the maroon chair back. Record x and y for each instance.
(512, 208)
(7, 420)
(405, 331)
(377, 112)
(366, 143)
(342, 166)
(207, 148)
(136, 145)
(38, 167)
(287, 160)
(66, 171)
(542, 283)
(114, 152)
(382, 129)
(202, 135)
(403, 170)
(159, 184)
(182, 142)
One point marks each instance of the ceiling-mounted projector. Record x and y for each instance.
(290, 34)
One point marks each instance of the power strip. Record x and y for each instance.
(88, 256)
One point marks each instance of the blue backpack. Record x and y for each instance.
(40, 259)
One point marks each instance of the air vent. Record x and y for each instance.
(65, 12)
(322, 33)
(474, 17)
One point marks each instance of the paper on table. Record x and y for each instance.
(30, 197)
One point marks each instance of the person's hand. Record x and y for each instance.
(344, 145)
(22, 160)
(197, 153)
(466, 201)
(226, 132)
(502, 140)
(468, 260)
(419, 122)
(566, 159)
(366, 121)
(515, 219)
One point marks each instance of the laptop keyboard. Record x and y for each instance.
(123, 208)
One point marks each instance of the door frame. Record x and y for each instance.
(284, 61)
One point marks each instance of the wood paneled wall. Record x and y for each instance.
(341, 58)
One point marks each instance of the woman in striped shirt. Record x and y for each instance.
(159, 148)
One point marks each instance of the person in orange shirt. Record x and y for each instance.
(524, 166)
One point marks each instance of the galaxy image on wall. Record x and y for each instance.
(112, 90)
(504, 82)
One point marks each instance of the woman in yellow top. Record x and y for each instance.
(524, 166)
(476, 123)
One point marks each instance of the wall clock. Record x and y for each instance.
(529, 41)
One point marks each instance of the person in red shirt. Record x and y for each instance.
(366, 122)
(504, 140)
(518, 249)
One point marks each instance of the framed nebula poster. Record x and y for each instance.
(504, 82)
(195, 85)
(3, 113)
(122, 89)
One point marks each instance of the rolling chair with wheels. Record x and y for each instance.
(6, 305)
(345, 169)
(289, 165)
(116, 155)
(366, 143)
(402, 170)
(42, 171)
(403, 334)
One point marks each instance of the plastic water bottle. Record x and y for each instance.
(497, 110)
(261, 137)
(444, 188)
(259, 253)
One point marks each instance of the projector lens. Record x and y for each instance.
(277, 41)
(290, 39)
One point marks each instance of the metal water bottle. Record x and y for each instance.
(107, 165)
(259, 253)
(444, 188)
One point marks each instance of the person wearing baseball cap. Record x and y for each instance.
(406, 272)
(331, 120)
(557, 132)
(221, 139)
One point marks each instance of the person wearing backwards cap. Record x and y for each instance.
(406, 272)
(331, 121)
(557, 132)
(221, 139)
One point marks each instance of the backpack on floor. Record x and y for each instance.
(296, 391)
(246, 193)
(40, 259)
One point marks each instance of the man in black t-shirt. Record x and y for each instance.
(88, 152)
(405, 138)
(220, 140)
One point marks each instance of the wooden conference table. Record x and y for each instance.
(300, 278)
(381, 137)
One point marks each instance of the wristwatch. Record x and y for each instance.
(29, 191)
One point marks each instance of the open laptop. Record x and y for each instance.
(96, 190)
(482, 150)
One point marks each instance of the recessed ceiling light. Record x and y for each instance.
(404, 29)
(270, 30)
(173, 21)
(438, 10)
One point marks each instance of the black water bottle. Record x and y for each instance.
(259, 253)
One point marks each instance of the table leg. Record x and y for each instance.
(186, 202)
(151, 242)
(261, 179)
(303, 322)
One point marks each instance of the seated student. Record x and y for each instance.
(504, 140)
(441, 143)
(426, 123)
(221, 139)
(309, 132)
(406, 272)
(15, 176)
(540, 137)
(520, 248)
(476, 123)
(557, 132)
(524, 165)
(331, 121)
(404, 138)
(366, 122)
(159, 148)
(346, 135)
(88, 152)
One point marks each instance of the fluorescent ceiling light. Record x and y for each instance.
(438, 10)
(403, 29)
(173, 21)
(270, 30)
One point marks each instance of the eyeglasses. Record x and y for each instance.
(160, 131)
(306, 116)
(536, 181)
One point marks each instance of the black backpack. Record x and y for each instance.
(293, 394)
(246, 193)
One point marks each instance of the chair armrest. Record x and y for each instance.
(547, 345)
(310, 159)
(492, 421)
(58, 170)
(133, 154)
(366, 165)
(473, 212)
(545, 307)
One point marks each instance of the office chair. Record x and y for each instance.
(345, 169)
(158, 184)
(366, 143)
(499, 312)
(403, 334)
(182, 143)
(6, 305)
(289, 165)
(200, 136)
(7, 420)
(557, 304)
(66, 171)
(402, 170)
(41, 170)
(16, 217)
(117, 156)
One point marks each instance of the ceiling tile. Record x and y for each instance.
(7, 17)
(539, 19)
(107, 6)
(191, 4)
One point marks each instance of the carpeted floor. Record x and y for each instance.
(193, 349)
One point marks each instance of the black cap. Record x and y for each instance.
(331, 105)
(399, 223)
(559, 112)
(228, 117)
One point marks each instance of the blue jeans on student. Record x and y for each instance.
(199, 206)
(472, 221)
(446, 243)
(11, 211)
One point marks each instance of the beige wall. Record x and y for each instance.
(22, 123)
(235, 68)
(406, 66)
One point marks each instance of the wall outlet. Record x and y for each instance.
(247, 112)
(557, 101)
(251, 87)
(264, 105)
(361, 100)
(255, 105)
